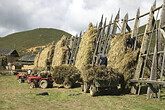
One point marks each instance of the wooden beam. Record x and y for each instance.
(148, 81)
(145, 13)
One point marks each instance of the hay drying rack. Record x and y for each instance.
(153, 28)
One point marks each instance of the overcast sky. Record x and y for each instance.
(72, 16)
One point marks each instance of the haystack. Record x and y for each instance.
(65, 73)
(89, 73)
(60, 52)
(40, 62)
(86, 47)
(122, 60)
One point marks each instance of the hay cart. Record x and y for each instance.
(97, 86)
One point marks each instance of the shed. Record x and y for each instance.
(10, 54)
(27, 58)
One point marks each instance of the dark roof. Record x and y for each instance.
(27, 58)
(9, 52)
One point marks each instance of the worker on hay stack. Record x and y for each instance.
(101, 59)
(48, 65)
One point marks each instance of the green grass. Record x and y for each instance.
(17, 96)
(32, 38)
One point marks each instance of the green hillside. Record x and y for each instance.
(31, 38)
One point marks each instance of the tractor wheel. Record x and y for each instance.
(67, 84)
(20, 80)
(93, 90)
(32, 85)
(86, 88)
(43, 84)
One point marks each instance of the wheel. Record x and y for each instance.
(32, 85)
(93, 90)
(43, 84)
(86, 88)
(67, 84)
(20, 80)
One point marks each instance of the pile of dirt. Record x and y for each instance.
(123, 60)
(89, 73)
(60, 52)
(86, 47)
(65, 73)
(44, 56)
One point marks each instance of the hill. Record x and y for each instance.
(31, 38)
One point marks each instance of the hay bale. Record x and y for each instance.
(89, 73)
(122, 60)
(64, 73)
(42, 57)
(86, 47)
(60, 52)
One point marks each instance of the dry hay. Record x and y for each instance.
(64, 73)
(42, 57)
(89, 73)
(60, 52)
(34, 49)
(86, 47)
(122, 60)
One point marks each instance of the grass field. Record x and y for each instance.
(16, 96)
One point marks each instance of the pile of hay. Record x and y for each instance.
(86, 47)
(65, 73)
(122, 60)
(60, 53)
(89, 73)
(40, 61)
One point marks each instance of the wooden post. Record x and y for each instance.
(102, 37)
(107, 36)
(73, 50)
(135, 27)
(115, 21)
(160, 37)
(96, 41)
(77, 48)
(123, 29)
(143, 47)
(161, 75)
(114, 29)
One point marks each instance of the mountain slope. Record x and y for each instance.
(32, 38)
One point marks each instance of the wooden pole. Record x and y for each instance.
(96, 41)
(136, 27)
(115, 21)
(107, 35)
(123, 29)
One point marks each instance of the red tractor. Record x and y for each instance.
(40, 81)
(22, 77)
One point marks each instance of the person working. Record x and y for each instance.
(101, 59)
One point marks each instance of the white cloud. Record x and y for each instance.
(72, 16)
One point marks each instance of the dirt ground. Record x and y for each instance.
(16, 96)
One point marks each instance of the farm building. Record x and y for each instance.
(7, 56)
(10, 54)
(25, 62)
